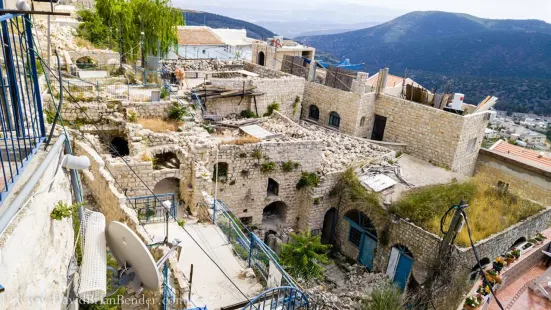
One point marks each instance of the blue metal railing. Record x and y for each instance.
(150, 209)
(21, 118)
(249, 247)
(280, 298)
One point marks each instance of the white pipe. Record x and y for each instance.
(19, 201)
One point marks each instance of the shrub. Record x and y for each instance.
(388, 297)
(303, 254)
(132, 117)
(268, 167)
(295, 105)
(63, 210)
(164, 92)
(248, 114)
(271, 108)
(289, 166)
(257, 154)
(177, 112)
(350, 184)
(308, 179)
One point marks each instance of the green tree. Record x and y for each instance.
(122, 22)
(303, 255)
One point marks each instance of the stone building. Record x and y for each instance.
(271, 53)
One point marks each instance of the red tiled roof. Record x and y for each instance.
(193, 35)
(521, 153)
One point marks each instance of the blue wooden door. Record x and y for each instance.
(367, 250)
(405, 262)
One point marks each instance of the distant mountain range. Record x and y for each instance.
(196, 18)
(510, 59)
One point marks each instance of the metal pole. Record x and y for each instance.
(49, 44)
(143, 58)
(190, 282)
(215, 189)
(251, 246)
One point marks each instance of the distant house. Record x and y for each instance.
(533, 137)
(490, 134)
(520, 154)
(271, 53)
(202, 42)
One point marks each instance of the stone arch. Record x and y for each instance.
(167, 185)
(261, 58)
(275, 214)
(86, 62)
(475, 269)
(313, 112)
(362, 220)
(166, 160)
(334, 119)
(518, 241)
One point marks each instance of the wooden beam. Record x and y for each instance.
(3, 11)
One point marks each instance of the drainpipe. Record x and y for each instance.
(25, 192)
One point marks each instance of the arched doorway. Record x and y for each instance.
(261, 58)
(399, 265)
(328, 230)
(86, 63)
(167, 186)
(118, 147)
(166, 160)
(274, 215)
(363, 235)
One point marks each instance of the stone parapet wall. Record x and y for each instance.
(264, 72)
(437, 136)
(100, 111)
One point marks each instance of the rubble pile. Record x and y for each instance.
(341, 151)
(356, 290)
(203, 65)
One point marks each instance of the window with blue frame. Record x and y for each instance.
(355, 236)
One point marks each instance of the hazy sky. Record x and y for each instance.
(515, 9)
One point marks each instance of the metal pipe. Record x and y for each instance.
(14, 207)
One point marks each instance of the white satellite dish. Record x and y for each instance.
(136, 262)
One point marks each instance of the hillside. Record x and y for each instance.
(196, 18)
(507, 58)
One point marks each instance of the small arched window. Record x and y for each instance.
(334, 119)
(362, 121)
(220, 169)
(314, 112)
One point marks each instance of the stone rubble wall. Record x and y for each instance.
(100, 111)
(283, 90)
(245, 189)
(265, 72)
(100, 57)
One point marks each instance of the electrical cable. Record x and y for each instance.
(148, 189)
(478, 260)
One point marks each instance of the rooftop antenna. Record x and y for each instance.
(137, 267)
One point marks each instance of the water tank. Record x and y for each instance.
(521, 143)
(457, 103)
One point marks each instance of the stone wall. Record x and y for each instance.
(244, 189)
(531, 182)
(434, 135)
(99, 111)
(351, 107)
(100, 57)
(35, 250)
(283, 89)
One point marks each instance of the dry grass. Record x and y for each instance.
(159, 125)
(241, 141)
(489, 212)
(81, 42)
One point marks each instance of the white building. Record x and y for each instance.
(197, 42)
(534, 138)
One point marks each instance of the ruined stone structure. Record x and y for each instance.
(270, 54)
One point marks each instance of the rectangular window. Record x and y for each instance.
(355, 236)
(471, 145)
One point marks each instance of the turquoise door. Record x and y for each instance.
(367, 250)
(405, 262)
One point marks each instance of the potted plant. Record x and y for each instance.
(498, 264)
(539, 238)
(509, 258)
(471, 303)
(526, 247)
(483, 291)
(493, 276)
(516, 253)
